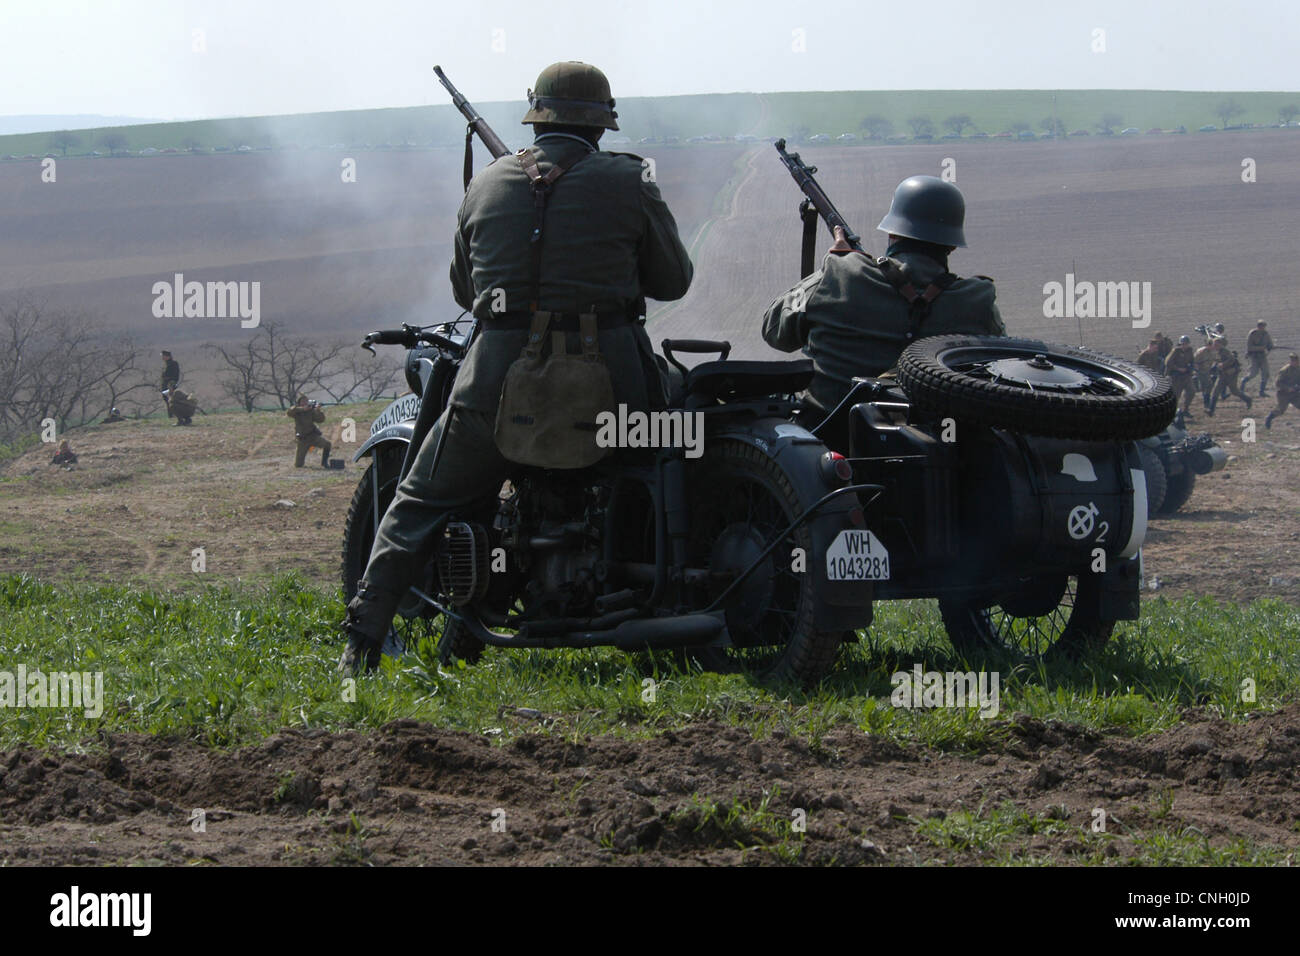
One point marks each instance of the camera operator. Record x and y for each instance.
(306, 418)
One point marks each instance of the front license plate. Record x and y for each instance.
(857, 556)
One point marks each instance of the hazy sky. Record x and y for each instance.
(138, 57)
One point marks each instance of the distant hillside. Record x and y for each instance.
(683, 117)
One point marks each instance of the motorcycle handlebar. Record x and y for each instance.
(409, 336)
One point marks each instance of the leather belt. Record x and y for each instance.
(560, 321)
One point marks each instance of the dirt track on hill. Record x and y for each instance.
(413, 794)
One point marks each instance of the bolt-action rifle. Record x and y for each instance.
(816, 203)
(476, 124)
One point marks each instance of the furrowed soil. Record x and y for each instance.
(414, 794)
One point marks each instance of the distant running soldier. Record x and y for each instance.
(1258, 344)
(1181, 369)
(1229, 369)
(1150, 357)
(1288, 389)
(306, 417)
(856, 314)
(1204, 359)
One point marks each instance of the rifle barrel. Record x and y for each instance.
(485, 132)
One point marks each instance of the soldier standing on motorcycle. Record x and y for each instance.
(856, 314)
(608, 241)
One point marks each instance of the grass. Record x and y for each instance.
(228, 665)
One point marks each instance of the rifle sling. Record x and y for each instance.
(808, 251)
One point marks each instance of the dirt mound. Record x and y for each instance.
(411, 793)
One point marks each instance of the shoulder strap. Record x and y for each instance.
(541, 184)
(918, 302)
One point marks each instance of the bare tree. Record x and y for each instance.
(114, 142)
(921, 126)
(1228, 110)
(958, 122)
(360, 377)
(62, 141)
(272, 364)
(876, 126)
(1109, 121)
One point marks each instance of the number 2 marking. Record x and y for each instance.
(1105, 528)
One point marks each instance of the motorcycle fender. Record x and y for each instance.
(400, 432)
(839, 605)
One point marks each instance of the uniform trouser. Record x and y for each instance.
(1184, 389)
(470, 469)
(1205, 381)
(308, 442)
(1227, 383)
(1258, 366)
(1283, 400)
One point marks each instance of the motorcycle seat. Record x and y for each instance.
(727, 380)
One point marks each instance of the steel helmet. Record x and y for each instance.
(929, 209)
(574, 93)
(1184, 340)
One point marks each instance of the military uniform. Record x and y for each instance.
(305, 420)
(1258, 344)
(169, 379)
(1180, 368)
(852, 321)
(1204, 359)
(1288, 392)
(1150, 358)
(609, 240)
(1229, 369)
(181, 406)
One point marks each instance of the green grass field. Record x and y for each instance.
(773, 114)
(228, 666)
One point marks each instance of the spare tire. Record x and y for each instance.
(1035, 388)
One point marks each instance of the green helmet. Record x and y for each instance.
(574, 93)
(928, 209)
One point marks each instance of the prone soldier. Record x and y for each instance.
(1288, 389)
(306, 418)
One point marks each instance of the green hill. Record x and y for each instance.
(724, 115)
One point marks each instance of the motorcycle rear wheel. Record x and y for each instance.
(741, 500)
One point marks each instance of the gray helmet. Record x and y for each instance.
(1184, 340)
(929, 209)
(572, 93)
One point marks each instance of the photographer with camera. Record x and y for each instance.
(306, 418)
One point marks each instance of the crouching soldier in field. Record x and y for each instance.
(306, 418)
(1229, 369)
(181, 406)
(1181, 370)
(1288, 389)
(856, 314)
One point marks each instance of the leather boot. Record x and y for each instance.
(369, 618)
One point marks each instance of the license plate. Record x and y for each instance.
(402, 410)
(857, 556)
